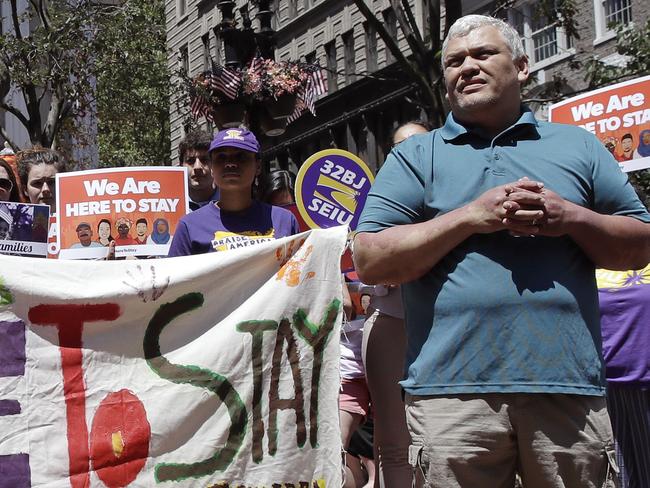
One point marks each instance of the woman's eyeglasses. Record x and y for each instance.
(6, 184)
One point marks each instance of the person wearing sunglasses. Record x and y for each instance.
(8, 187)
(37, 168)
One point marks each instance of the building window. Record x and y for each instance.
(371, 47)
(390, 21)
(216, 53)
(332, 74)
(310, 58)
(292, 10)
(184, 59)
(544, 37)
(618, 11)
(348, 56)
(181, 9)
(543, 40)
(207, 60)
(610, 12)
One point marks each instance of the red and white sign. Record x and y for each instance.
(619, 115)
(138, 208)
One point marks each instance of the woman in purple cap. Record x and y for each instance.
(236, 220)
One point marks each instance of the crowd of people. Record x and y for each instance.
(478, 353)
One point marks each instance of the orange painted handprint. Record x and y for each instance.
(292, 270)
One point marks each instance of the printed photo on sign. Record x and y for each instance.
(331, 189)
(23, 229)
(138, 209)
(619, 115)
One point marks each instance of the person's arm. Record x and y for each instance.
(615, 242)
(181, 244)
(348, 306)
(406, 252)
(615, 233)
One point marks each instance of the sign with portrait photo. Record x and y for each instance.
(137, 208)
(23, 229)
(619, 115)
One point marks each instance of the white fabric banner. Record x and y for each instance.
(218, 370)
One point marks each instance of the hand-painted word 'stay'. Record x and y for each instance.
(299, 484)
(117, 446)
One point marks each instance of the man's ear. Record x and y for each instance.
(523, 69)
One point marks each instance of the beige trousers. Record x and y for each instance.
(482, 441)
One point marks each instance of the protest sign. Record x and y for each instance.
(138, 208)
(218, 370)
(53, 237)
(619, 115)
(331, 189)
(23, 229)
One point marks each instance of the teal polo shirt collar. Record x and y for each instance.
(454, 129)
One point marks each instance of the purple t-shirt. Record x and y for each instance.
(211, 229)
(625, 321)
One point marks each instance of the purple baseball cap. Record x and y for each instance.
(239, 138)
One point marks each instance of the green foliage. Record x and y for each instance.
(133, 85)
(68, 59)
(48, 47)
(634, 44)
(6, 298)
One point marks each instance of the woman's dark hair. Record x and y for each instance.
(35, 156)
(280, 179)
(110, 226)
(14, 195)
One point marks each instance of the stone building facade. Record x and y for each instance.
(368, 94)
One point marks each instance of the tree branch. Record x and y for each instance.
(5, 135)
(416, 48)
(393, 47)
(434, 24)
(14, 20)
(16, 113)
(411, 19)
(40, 8)
(453, 12)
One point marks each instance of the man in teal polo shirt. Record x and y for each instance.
(494, 224)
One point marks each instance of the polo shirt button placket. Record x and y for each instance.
(497, 169)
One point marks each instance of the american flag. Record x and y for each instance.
(257, 65)
(307, 95)
(319, 81)
(200, 106)
(226, 81)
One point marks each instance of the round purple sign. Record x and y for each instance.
(331, 189)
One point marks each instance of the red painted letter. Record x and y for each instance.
(69, 320)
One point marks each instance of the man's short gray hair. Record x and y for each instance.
(468, 23)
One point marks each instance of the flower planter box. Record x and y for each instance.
(229, 115)
(281, 107)
(271, 126)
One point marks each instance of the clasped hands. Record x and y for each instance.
(524, 208)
